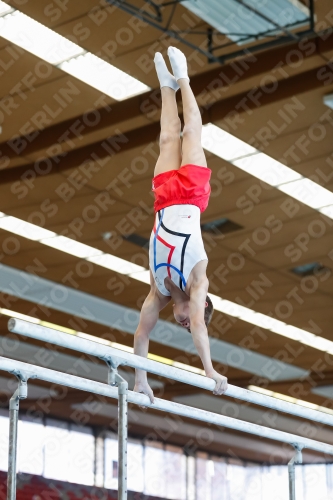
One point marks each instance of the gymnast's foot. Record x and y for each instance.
(165, 77)
(178, 63)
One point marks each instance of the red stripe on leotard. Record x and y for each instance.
(172, 248)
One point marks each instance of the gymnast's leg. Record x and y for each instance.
(170, 144)
(192, 151)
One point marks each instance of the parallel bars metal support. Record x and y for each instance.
(115, 379)
(113, 359)
(14, 404)
(52, 376)
(297, 459)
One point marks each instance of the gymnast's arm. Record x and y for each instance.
(153, 304)
(199, 333)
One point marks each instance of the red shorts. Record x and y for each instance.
(187, 185)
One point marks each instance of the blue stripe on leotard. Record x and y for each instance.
(165, 264)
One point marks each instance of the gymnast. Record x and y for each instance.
(177, 258)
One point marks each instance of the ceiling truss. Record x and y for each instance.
(158, 20)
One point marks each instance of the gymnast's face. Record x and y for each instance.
(181, 313)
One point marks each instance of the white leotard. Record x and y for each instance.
(175, 245)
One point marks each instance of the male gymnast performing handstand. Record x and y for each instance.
(177, 257)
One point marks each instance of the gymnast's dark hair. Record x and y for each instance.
(208, 311)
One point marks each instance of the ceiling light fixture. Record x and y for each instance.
(308, 192)
(23, 228)
(116, 264)
(70, 246)
(5, 8)
(103, 76)
(265, 168)
(223, 144)
(328, 211)
(139, 273)
(41, 41)
(272, 324)
(143, 276)
(57, 50)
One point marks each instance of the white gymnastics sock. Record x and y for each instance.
(165, 77)
(178, 63)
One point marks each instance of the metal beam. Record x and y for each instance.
(67, 380)
(14, 405)
(297, 459)
(227, 76)
(157, 23)
(142, 136)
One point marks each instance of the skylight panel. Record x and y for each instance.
(238, 22)
(225, 145)
(37, 39)
(228, 17)
(103, 76)
(308, 192)
(283, 12)
(267, 169)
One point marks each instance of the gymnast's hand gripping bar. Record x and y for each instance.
(127, 359)
(64, 379)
